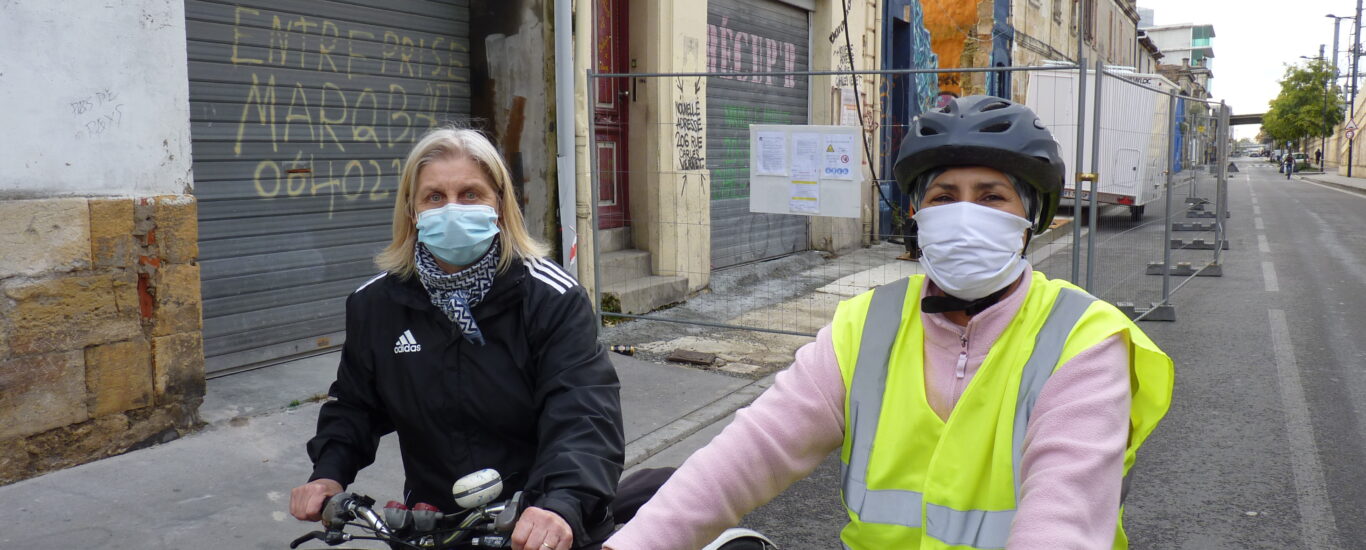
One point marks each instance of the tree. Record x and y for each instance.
(1309, 105)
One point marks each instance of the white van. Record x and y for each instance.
(1133, 135)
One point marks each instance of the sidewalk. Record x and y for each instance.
(1345, 183)
(227, 486)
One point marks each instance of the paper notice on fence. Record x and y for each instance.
(838, 157)
(806, 157)
(772, 154)
(805, 197)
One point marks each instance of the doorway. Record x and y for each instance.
(610, 114)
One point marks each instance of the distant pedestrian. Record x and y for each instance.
(1318, 157)
(1289, 165)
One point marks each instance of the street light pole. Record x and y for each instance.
(1323, 139)
(1336, 30)
(1356, 54)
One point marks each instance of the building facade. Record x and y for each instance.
(1189, 55)
(672, 152)
(206, 182)
(208, 208)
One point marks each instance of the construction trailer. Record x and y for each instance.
(1135, 111)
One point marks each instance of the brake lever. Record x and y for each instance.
(507, 519)
(313, 535)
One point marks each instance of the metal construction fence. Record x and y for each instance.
(759, 201)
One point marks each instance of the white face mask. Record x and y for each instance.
(970, 250)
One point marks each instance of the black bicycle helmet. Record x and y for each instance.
(989, 131)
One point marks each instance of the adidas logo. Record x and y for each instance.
(406, 343)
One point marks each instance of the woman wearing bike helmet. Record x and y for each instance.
(981, 405)
(479, 353)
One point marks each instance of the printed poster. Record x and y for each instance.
(848, 107)
(771, 153)
(838, 157)
(806, 157)
(805, 197)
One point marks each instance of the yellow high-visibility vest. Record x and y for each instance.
(912, 480)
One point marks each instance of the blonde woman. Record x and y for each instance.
(479, 353)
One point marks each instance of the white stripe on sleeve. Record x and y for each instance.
(373, 279)
(554, 271)
(547, 280)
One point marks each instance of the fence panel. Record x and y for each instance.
(1199, 238)
(684, 159)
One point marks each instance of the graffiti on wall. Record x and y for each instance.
(370, 106)
(97, 113)
(844, 22)
(741, 52)
(730, 172)
(689, 134)
(843, 57)
(952, 28)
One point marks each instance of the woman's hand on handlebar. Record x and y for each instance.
(541, 529)
(306, 501)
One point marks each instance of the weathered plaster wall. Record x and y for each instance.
(100, 92)
(522, 110)
(1044, 31)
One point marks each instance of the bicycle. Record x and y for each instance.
(481, 523)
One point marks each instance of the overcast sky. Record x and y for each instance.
(1255, 40)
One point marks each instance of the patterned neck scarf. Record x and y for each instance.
(457, 293)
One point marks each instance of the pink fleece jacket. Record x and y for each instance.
(1072, 464)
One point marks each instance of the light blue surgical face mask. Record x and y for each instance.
(458, 234)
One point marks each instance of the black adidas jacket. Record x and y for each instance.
(539, 402)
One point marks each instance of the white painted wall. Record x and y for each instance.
(1172, 39)
(95, 98)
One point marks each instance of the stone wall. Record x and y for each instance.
(100, 328)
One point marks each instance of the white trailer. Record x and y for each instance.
(1133, 133)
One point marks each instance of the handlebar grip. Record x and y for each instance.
(334, 509)
(313, 535)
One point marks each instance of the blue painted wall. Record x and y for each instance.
(1002, 37)
(905, 45)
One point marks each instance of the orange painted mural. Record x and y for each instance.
(952, 26)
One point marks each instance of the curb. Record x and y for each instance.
(1051, 235)
(1347, 188)
(662, 438)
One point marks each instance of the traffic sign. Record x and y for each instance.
(1351, 134)
(1351, 125)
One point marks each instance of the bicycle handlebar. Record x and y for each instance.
(486, 526)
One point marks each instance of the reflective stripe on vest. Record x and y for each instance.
(974, 528)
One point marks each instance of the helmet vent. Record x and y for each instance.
(994, 106)
(997, 128)
(927, 131)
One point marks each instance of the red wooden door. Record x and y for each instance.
(610, 114)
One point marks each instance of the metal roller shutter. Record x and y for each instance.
(302, 112)
(750, 36)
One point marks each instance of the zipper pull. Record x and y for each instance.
(960, 370)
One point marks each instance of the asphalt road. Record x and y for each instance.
(1263, 445)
